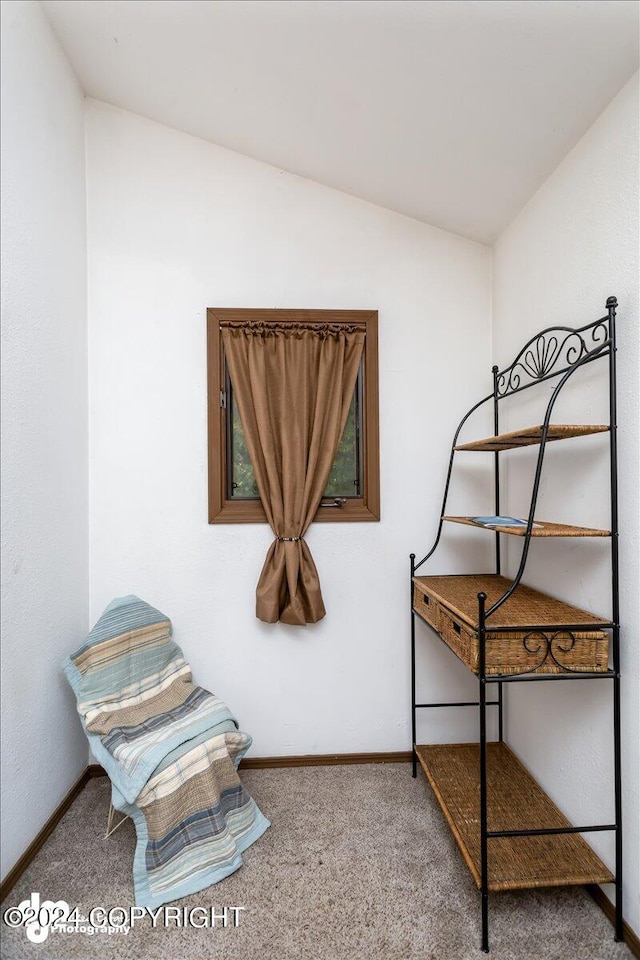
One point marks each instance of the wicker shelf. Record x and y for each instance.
(516, 802)
(531, 638)
(530, 436)
(544, 529)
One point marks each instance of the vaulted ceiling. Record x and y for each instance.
(450, 111)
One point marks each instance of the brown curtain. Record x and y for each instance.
(293, 386)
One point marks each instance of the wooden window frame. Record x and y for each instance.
(224, 510)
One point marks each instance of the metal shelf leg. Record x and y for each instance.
(414, 759)
(483, 776)
(618, 805)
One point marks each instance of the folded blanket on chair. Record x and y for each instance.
(171, 750)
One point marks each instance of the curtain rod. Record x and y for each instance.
(334, 325)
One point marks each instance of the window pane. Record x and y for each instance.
(242, 479)
(344, 479)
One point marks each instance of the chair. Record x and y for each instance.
(171, 750)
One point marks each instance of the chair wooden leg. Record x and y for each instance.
(110, 827)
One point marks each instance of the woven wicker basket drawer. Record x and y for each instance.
(427, 606)
(515, 651)
(518, 652)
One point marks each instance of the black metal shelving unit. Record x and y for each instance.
(554, 352)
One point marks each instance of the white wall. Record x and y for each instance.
(44, 422)
(574, 244)
(176, 225)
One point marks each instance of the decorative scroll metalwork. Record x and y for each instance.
(550, 353)
(552, 648)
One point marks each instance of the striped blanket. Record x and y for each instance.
(171, 750)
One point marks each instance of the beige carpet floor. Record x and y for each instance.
(359, 863)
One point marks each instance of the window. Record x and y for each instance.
(353, 490)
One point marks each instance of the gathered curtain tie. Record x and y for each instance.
(288, 539)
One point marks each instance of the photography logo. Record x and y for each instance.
(37, 917)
